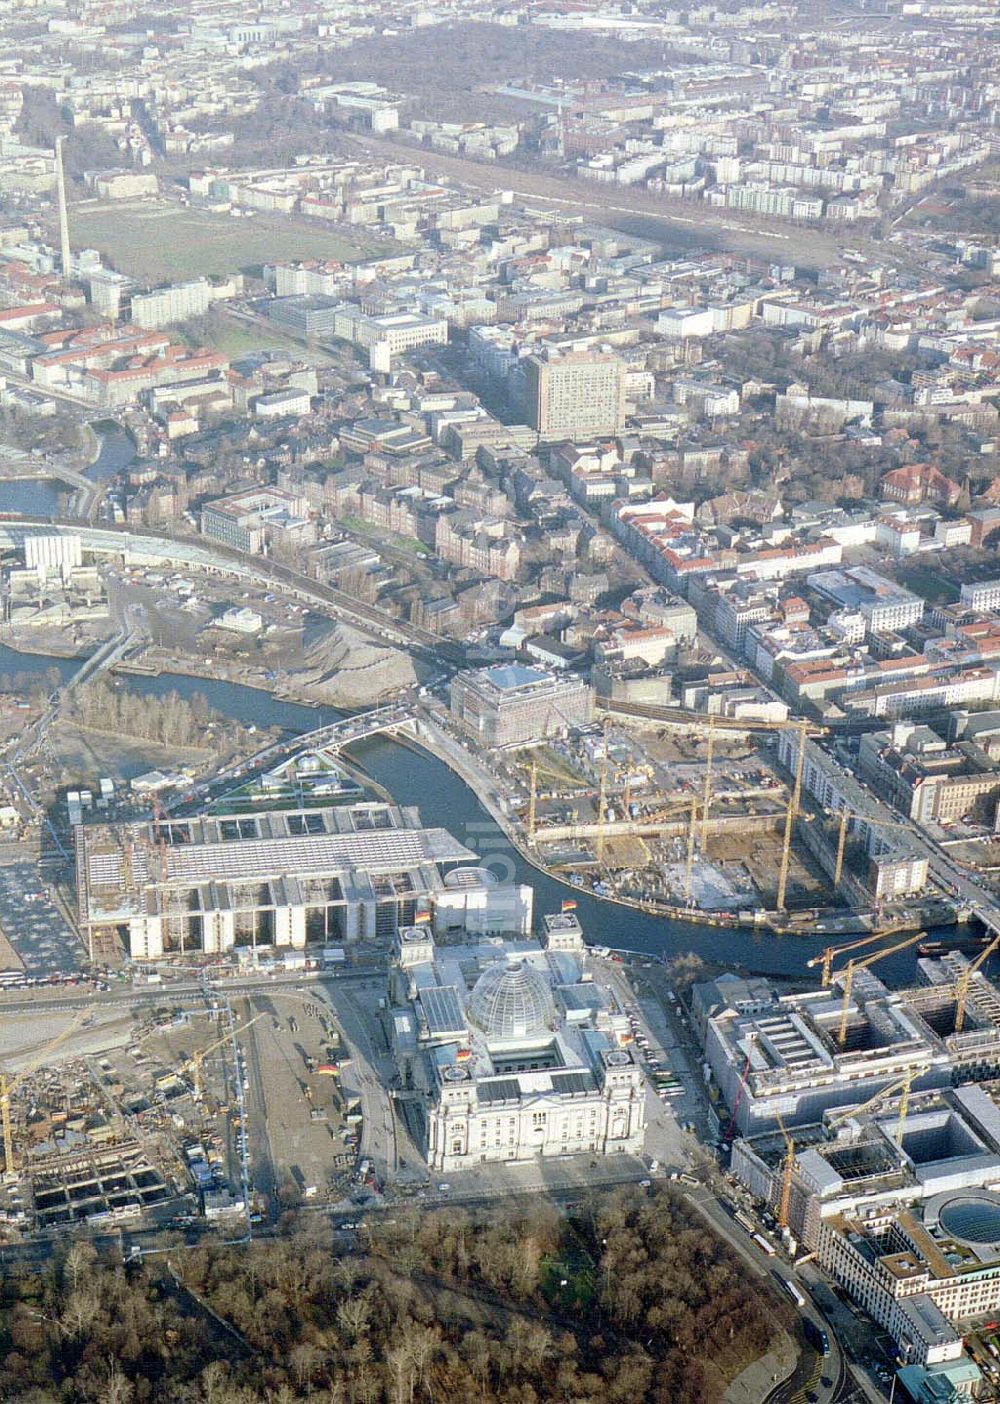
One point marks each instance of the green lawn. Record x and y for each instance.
(401, 543)
(929, 582)
(157, 240)
(568, 1283)
(237, 338)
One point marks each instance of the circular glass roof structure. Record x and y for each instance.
(511, 1001)
(972, 1219)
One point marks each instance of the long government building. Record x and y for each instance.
(283, 878)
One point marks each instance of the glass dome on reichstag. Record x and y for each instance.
(511, 1000)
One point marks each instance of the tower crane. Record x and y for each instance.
(965, 979)
(196, 1059)
(653, 711)
(532, 800)
(602, 798)
(863, 964)
(9, 1084)
(690, 851)
(158, 835)
(902, 1085)
(729, 1135)
(791, 813)
(534, 769)
(844, 817)
(830, 954)
(669, 810)
(707, 796)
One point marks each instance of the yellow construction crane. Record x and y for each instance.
(787, 1171)
(706, 798)
(534, 770)
(602, 798)
(830, 954)
(791, 813)
(903, 1085)
(9, 1084)
(196, 1059)
(690, 851)
(532, 799)
(863, 964)
(965, 979)
(680, 716)
(845, 816)
(664, 814)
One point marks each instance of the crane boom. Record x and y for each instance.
(196, 1059)
(863, 964)
(689, 866)
(730, 1132)
(903, 1085)
(602, 799)
(707, 795)
(533, 800)
(830, 954)
(965, 980)
(787, 1171)
(791, 815)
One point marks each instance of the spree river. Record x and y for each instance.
(414, 777)
(41, 497)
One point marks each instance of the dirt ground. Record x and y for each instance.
(290, 1032)
(625, 853)
(82, 752)
(23, 1037)
(805, 886)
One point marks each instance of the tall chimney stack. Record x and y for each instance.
(64, 249)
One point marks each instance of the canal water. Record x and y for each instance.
(32, 497)
(44, 497)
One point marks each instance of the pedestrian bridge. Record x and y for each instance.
(348, 731)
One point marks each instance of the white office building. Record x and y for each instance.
(983, 594)
(284, 877)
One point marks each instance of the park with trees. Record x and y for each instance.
(628, 1297)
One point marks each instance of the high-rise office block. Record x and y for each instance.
(580, 395)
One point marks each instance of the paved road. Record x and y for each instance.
(811, 1369)
(258, 1139)
(56, 1000)
(368, 1074)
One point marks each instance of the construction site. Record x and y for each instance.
(866, 1124)
(792, 1068)
(75, 1151)
(716, 818)
(223, 1112)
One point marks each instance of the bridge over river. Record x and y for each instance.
(378, 721)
